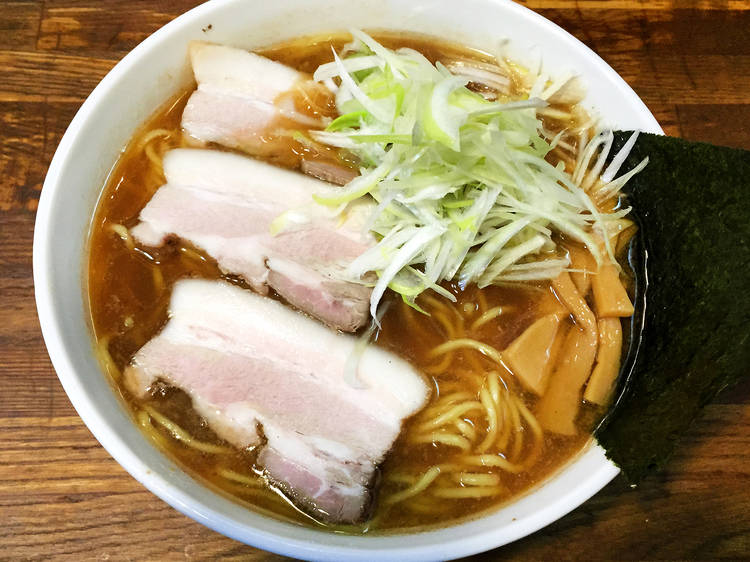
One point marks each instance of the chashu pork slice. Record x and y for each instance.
(249, 363)
(248, 102)
(235, 102)
(225, 204)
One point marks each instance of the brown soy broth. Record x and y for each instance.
(397, 333)
(522, 302)
(129, 290)
(306, 54)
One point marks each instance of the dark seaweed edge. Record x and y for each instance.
(690, 203)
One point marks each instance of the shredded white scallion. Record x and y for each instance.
(463, 188)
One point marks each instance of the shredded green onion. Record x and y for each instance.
(462, 184)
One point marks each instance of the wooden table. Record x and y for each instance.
(62, 496)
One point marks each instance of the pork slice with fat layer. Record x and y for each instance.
(248, 361)
(248, 102)
(225, 204)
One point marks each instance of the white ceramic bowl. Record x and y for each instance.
(143, 80)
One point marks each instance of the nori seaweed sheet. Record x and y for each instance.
(691, 204)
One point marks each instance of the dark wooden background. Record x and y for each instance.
(62, 496)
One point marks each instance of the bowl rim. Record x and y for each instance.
(331, 546)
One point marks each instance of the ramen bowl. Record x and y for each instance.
(157, 69)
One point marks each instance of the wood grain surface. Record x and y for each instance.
(63, 497)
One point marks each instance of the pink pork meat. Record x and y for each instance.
(246, 101)
(227, 205)
(249, 363)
